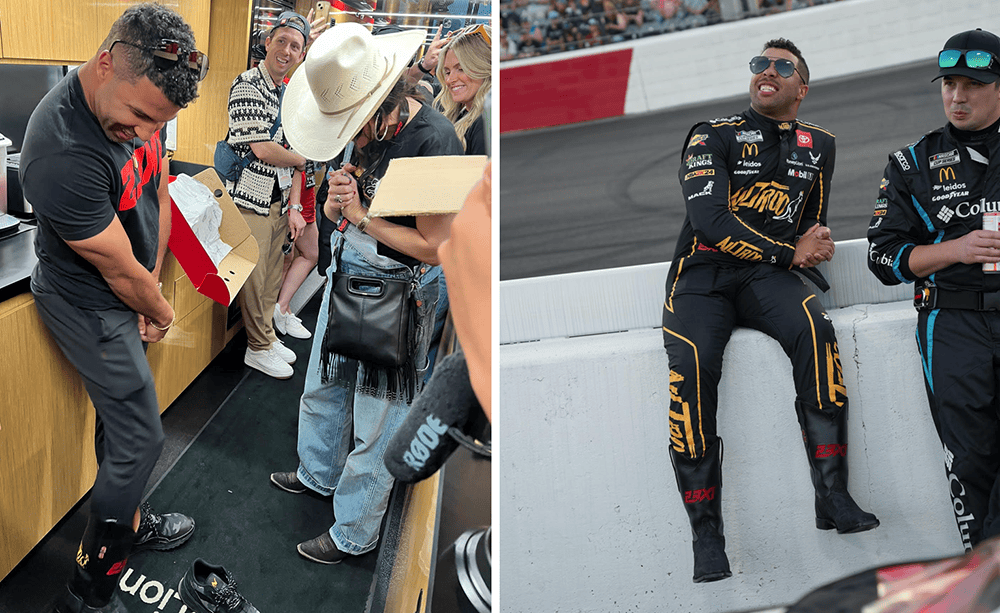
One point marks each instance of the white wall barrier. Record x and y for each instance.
(591, 517)
(837, 39)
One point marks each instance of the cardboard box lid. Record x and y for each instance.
(431, 185)
(220, 283)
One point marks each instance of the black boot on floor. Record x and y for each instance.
(825, 436)
(99, 563)
(700, 483)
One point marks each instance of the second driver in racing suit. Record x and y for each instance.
(928, 228)
(756, 188)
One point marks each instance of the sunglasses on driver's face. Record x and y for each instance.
(168, 53)
(975, 59)
(783, 67)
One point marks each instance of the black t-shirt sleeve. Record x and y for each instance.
(71, 193)
(475, 139)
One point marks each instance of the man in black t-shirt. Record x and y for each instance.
(94, 169)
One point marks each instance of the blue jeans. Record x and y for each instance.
(329, 413)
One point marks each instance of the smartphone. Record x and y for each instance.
(323, 11)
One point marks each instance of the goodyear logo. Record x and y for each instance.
(749, 136)
(946, 174)
(705, 172)
(943, 159)
(698, 139)
(750, 149)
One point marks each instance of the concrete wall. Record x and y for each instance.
(709, 63)
(591, 517)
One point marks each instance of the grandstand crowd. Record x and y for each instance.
(538, 27)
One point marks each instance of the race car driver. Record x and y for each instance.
(934, 202)
(756, 187)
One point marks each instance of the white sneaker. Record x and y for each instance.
(295, 328)
(279, 319)
(290, 324)
(268, 362)
(278, 348)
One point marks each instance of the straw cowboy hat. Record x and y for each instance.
(346, 76)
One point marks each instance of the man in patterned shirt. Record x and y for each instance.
(262, 190)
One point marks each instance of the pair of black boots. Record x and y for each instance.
(700, 483)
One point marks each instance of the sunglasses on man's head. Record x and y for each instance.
(168, 53)
(975, 59)
(783, 67)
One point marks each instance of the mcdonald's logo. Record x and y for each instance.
(750, 149)
(946, 173)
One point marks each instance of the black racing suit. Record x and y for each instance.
(752, 185)
(936, 190)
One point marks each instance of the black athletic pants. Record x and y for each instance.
(960, 353)
(704, 302)
(105, 347)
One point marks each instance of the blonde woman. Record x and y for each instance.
(463, 69)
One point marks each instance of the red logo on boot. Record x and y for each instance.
(829, 451)
(692, 496)
(117, 568)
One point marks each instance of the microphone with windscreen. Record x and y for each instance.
(440, 419)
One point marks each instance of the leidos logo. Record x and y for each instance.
(945, 174)
(750, 149)
(693, 496)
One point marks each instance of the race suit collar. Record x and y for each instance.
(773, 124)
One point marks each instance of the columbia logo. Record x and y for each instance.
(945, 214)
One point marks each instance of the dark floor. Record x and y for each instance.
(34, 584)
(39, 579)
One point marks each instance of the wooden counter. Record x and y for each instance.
(47, 438)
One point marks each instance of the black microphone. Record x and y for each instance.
(442, 411)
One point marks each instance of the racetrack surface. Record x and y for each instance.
(605, 194)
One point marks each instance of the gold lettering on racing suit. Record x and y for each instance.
(835, 375)
(765, 197)
(679, 422)
(740, 249)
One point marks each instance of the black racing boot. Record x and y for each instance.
(100, 561)
(825, 436)
(700, 483)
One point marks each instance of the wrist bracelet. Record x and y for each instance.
(420, 66)
(162, 329)
(295, 207)
(363, 224)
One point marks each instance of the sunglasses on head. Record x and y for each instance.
(783, 67)
(479, 29)
(975, 59)
(168, 53)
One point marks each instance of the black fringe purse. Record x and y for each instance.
(372, 320)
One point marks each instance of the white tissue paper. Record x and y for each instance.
(201, 211)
